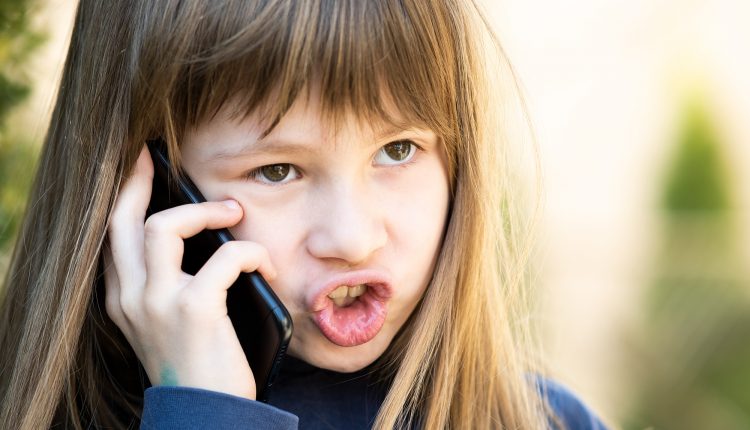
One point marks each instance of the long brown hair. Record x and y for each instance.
(139, 69)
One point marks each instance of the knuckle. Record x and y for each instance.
(156, 225)
(260, 250)
(244, 255)
(189, 303)
(263, 257)
(230, 249)
(130, 308)
(242, 251)
(154, 308)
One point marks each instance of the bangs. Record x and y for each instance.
(385, 61)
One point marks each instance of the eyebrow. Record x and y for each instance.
(267, 146)
(287, 147)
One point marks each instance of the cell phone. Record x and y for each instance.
(262, 323)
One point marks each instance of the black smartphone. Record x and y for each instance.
(262, 323)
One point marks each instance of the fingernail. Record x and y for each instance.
(231, 204)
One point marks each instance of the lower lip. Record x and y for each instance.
(355, 324)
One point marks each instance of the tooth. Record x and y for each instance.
(343, 301)
(357, 290)
(339, 292)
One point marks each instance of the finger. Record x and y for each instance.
(125, 231)
(166, 230)
(222, 269)
(135, 192)
(112, 290)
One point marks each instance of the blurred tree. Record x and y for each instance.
(697, 181)
(17, 42)
(692, 361)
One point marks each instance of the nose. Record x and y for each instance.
(347, 225)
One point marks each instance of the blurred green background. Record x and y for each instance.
(18, 42)
(691, 349)
(640, 109)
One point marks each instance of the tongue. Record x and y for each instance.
(352, 325)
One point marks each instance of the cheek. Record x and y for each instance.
(274, 223)
(279, 229)
(276, 229)
(417, 227)
(422, 208)
(418, 230)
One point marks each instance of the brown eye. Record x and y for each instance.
(396, 152)
(274, 174)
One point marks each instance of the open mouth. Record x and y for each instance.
(351, 309)
(344, 295)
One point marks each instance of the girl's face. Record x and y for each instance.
(363, 208)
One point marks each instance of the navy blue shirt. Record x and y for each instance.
(307, 397)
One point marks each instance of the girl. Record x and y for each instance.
(347, 146)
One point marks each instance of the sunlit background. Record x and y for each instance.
(642, 115)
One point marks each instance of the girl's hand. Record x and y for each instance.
(177, 323)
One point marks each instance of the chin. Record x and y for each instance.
(346, 367)
(343, 359)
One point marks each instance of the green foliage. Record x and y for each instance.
(16, 167)
(17, 42)
(692, 360)
(697, 180)
(11, 93)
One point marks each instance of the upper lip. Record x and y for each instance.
(378, 281)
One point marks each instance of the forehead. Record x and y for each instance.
(307, 116)
(304, 128)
